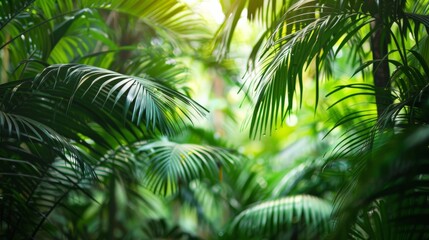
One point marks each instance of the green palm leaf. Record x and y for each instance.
(288, 183)
(71, 120)
(140, 99)
(303, 216)
(170, 18)
(41, 176)
(77, 37)
(170, 164)
(387, 155)
(288, 53)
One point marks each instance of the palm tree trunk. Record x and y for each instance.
(381, 73)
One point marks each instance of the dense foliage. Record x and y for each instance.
(117, 121)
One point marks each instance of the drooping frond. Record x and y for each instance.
(387, 154)
(139, 99)
(363, 127)
(307, 33)
(301, 216)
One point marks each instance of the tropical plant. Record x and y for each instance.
(386, 41)
(93, 97)
(74, 117)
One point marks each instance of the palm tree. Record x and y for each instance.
(74, 116)
(385, 37)
(89, 118)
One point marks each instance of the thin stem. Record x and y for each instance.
(381, 72)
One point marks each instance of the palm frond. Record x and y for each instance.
(307, 33)
(116, 198)
(245, 184)
(48, 109)
(38, 155)
(171, 164)
(22, 38)
(170, 18)
(305, 38)
(358, 125)
(140, 99)
(15, 126)
(386, 154)
(300, 216)
(375, 222)
(60, 126)
(363, 127)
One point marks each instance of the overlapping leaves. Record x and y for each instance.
(143, 100)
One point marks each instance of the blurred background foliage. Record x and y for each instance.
(205, 119)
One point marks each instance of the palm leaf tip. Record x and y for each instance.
(141, 100)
